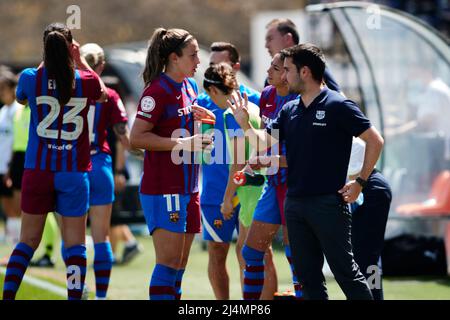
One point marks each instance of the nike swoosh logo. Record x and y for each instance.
(179, 97)
(293, 117)
(268, 105)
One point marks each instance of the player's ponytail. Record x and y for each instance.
(162, 43)
(58, 60)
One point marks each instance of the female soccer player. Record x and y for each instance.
(9, 191)
(219, 83)
(101, 116)
(269, 213)
(164, 127)
(57, 157)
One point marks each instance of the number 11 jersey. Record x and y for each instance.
(58, 135)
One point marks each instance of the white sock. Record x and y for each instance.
(130, 243)
(13, 226)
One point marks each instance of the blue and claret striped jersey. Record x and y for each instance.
(58, 135)
(270, 106)
(103, 115)
(168, 106)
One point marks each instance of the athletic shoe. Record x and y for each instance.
(44, 262)
(129, 253)
(85, 294)
(286, 295)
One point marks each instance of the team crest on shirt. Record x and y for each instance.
(320, 114)
(174, 216)
(218, 223)
(147, 104)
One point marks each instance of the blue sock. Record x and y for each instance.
(103, 260)
(178, 281)
(76, 271)
(17, 265)
(297, 286)
(162, 284)
(253, 273)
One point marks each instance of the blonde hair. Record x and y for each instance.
(93, 54)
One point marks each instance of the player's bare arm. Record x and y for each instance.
(142, 137)
(259, 139)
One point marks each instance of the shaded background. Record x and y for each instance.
(116, 21)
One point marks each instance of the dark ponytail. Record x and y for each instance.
(162, 43)
(58, 60)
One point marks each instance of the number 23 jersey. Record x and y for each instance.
(59, 135)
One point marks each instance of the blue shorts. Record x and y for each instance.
(67, 193)
(173, 212)
(270, 206)
(101, 180)
(215, 228)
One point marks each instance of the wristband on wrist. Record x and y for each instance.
(362, 182)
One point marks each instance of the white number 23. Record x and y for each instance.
(72, 116)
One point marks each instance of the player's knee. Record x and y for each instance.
(100, 234)
(251, 254)
(217, 252)
(172, 262)
(184, 262)
(31, 240)
(268, 257)
(239, 248)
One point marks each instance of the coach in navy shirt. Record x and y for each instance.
(318, 129)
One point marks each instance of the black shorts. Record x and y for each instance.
(17, 169)
(4, 190)
(116, 209)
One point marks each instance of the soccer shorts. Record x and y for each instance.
(215, 227)
(101, 180)
(270, 208)
(173, 212)
(17, 168)
(67, 193)
(5, 191)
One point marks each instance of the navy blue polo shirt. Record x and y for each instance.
(318, 142)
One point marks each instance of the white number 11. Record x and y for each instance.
(169, 201)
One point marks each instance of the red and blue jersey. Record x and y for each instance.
(58, 135)
(103, 115)
(168, 106)
(270, 106)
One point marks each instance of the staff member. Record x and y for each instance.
(369, 220)
(316, 129)
(283, 33)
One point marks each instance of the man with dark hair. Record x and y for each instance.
(224, 51)
(318, 128)
(282, 34)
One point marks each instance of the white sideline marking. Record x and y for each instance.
(42, 284)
